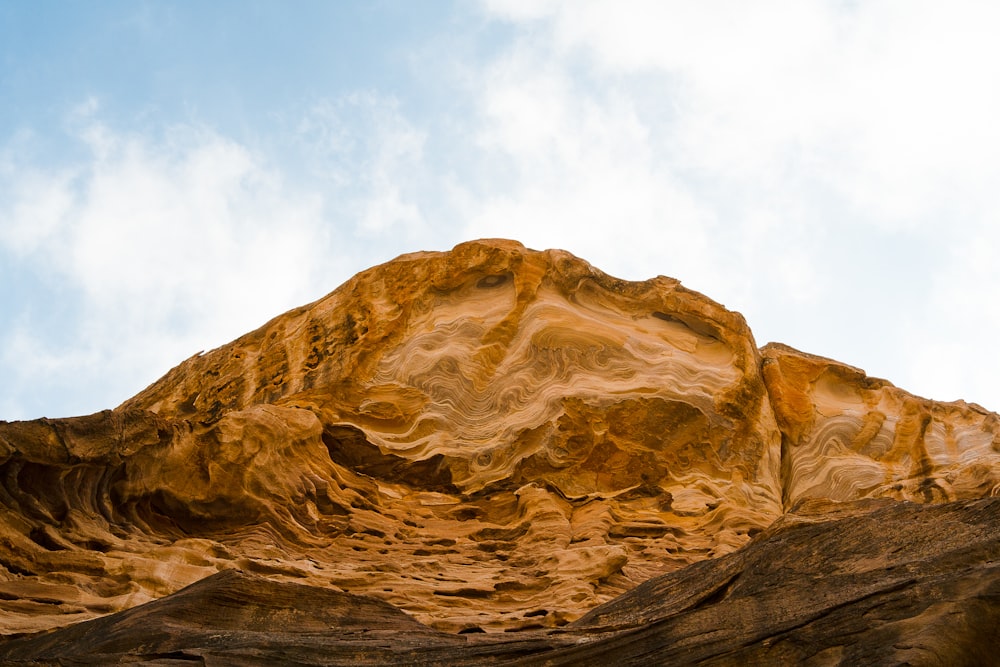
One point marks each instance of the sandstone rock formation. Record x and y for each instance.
(848, 436)
(817, 588)
(489, 439)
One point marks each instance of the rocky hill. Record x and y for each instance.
(459, 457)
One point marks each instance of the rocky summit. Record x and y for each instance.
(501, 455)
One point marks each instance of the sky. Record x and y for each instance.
(174, 174)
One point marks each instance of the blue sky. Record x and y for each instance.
(173, 174)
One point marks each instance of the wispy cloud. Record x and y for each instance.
(827, 168)
(173, 243)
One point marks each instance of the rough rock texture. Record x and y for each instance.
(847, 436)
(491, 438)
(818, 587)
(865, 583)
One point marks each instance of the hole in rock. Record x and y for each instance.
(326, 506)
(501, 534)
(441, 541)
(467, 513)
(40, 537)
(493, 281)
(351, 330)
(13, 568)
(37, 488)
(700, 328)
(348, 447)
(178, 656)
(95, 545)
(465, 593)
(164, 512)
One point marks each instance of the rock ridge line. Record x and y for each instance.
(490, 439)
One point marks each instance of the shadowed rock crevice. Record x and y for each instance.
(349, 448)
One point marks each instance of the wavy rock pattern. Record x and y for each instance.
(489, 438)
(848, 436)
(817, 588)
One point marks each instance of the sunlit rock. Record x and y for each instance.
(489, 439)
(848, 436)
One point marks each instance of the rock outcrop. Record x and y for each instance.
(818, 587)
(489, 439)
(847, 436)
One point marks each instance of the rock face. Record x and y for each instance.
(488, 439)
(848, 436)
(817, 588)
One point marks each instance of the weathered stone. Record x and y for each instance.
(489, 439)
(870, 582)
(847, 436)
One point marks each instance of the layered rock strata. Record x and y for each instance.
(816, 588)
(491, 438)
(847, 436)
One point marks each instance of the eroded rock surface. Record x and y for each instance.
(491, 438)
(847, 436)
(818, 587)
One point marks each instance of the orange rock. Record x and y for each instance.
(491, 437)
(848, 436)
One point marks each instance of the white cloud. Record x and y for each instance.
(884, 101)
(363, 141)
(521, 10)
(573, 168)
(622, 172)
(952, 341)
(43, 202)
(168, 246)
(177, 243)
(827, 168)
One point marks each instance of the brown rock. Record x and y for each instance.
(491, 439)
(870, 582)
(864, 583)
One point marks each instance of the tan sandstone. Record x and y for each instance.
(488, 438)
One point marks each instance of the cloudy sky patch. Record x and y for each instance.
(172, 176)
